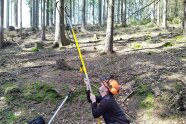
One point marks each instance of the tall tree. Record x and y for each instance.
(74, 10)
(47, 13)
(118, 11)
(20, 16)
(158, 13)
(7, 12)
(43, 21)
(184, 17)
(37, 14)
(54, 12)
(164, 24)
(60, 38)
(83, 14)
(15, 15)
(1, 22)
(104, 11)
(123, 13)
(109, 32)
(100, 12)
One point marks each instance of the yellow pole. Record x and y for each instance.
(83, 65)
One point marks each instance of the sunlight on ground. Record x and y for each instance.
(3, 103)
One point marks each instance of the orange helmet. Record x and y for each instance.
(112, 85)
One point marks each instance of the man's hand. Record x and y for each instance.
(92, 97)
(85, 81)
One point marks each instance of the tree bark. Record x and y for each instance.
(158, 13)
(51, 14)
(54, 12)
(15, 16)
(20, 7)
(74, 16)
(118, 11)
(37, 14)
(43, 21)
(7, 13)
(47, 13)
(104, 13)
(83, 14)
(123, 13)
(109, 32)
(164, 24)
(60, 38)
(1, 23)
(100, 12)
(184, 17)
(93, 12)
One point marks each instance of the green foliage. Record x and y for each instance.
(40, 92)
(134, 22)
(145, 97)
(176, 21)
(177, 87)
(11, 118)
(145, 21)
(136, 46)
(179, 38)
(78, 95)
(34, 49)
(167, 44)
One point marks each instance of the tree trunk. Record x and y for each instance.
(158, 13)
(184, 17)
(51, 14)
(123, 13)
(154, 12)
(37, 14)
(74, 7)
(100, 11)
(104, 13)
(15, 6)
(7, 13)
(83, 14)
(118, 11)
(109, 32)
(47, 13)
(20, 7)
(43, 21)
(1, 23)
(164, 24)
(78, 13)
(176, 8)
(93, 12)
(54, 12)
(70, 9)
(60, 39)
(33, 14)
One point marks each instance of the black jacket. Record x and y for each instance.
(109, 109)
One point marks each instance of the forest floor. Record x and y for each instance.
(149, 63)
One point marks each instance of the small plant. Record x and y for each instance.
(167, 44)
(11, 118)
(145, 97)
(179, 38)
(35, 49)
(136, 46)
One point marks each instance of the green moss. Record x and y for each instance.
(11, 118)
(167, 44)
(148, 101)
(40, 92)
(179, 38)
(145, 97)
(34, 49)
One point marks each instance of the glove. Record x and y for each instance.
(88, 96)
(92, 98)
